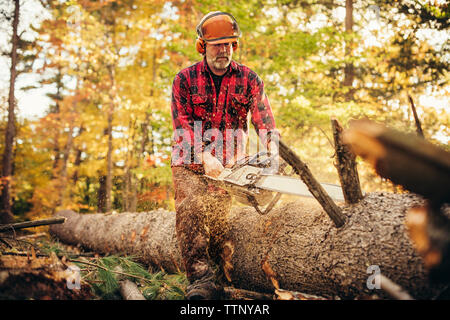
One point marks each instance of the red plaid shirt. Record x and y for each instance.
(194, 106)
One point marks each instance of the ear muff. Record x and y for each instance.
(200, 46)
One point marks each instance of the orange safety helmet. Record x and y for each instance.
(217, 27)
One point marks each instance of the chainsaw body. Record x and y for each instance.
(255, 181)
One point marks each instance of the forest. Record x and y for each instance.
(103, 144)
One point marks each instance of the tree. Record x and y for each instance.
(6, 215)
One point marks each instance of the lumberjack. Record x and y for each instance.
(215, 96)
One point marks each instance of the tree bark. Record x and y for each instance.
(77, 161)
(6, 215)
(295, 246)
(346, 166)
(101, 194)
(63, 170)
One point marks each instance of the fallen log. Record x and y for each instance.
(295, 246)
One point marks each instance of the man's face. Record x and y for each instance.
(218, 57)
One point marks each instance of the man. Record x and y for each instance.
(210, 103)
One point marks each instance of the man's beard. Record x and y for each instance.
(221, 64)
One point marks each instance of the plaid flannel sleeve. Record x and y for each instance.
(182, 121)
(261, 112)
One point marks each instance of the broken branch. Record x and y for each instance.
(346, 166)
(416, 118)
(29, 224)
(130, 291)
(393, 289)
(333, 211)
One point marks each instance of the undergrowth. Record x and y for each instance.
(103, 274)
(104, 279)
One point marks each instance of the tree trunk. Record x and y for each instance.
(63, 170)
(6, 215)
(77, 161)
(56, 110)
(295, 246)
(109, 164)
(349, 72)
(109, 155)
(129, 193)
(101, 194)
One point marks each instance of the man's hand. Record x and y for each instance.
(212, 165)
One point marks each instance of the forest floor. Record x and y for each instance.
(36, 267)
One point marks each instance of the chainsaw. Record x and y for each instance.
(254, 180)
